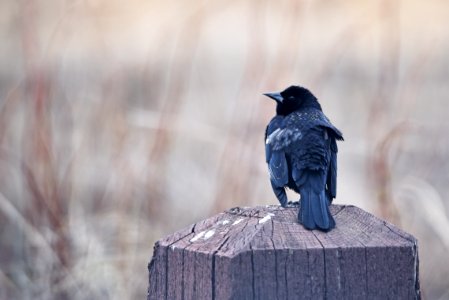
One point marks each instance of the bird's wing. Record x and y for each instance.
(278, 169)
(313, 150)
(334, 135)
(317, 151)
(321, 120)
(282, 138)
(287, 133)
(332, 172)
(275, 157)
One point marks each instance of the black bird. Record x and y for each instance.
(301, 153)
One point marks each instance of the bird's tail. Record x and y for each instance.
(314, 211)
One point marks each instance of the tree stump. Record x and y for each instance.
(263, 253)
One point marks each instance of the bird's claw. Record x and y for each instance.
(292, 204)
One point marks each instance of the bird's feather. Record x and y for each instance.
(278, 168)
(332, 173)
(301, 153)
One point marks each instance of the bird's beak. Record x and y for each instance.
(275, 96)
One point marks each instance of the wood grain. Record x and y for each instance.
(263, 253)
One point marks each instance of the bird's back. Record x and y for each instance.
(300, 143)
(310, 118)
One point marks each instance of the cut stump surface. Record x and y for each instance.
(263, 253)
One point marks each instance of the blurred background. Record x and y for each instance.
(121, 122)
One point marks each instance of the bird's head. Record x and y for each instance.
(292, 99)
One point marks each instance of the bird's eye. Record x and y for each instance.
(291, 97)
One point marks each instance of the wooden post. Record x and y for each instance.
(263, 253)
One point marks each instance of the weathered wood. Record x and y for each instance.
(263, 253)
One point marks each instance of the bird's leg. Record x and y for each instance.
(280, 194)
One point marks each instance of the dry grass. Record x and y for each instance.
(120, 124)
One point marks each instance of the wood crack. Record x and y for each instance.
(365, 248)
(416, 275)
(275, 259)
(398, 233)
(324, 264)
(214, 254)
(285, 276)
(366, 272)
(342, 209)
(182, 274)
(166, 259)
(253, 281)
